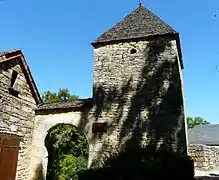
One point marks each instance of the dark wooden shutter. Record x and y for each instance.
(9, 148)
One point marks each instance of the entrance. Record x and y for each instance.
(9, 149)
(67, 152)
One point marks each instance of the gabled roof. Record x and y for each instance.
(204, 134)
(140, 23)
(17, 54)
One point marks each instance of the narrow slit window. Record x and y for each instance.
(11, 89)
(13, 78)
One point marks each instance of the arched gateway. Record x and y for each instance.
(137, 95)
(67, 147)
(70, 114)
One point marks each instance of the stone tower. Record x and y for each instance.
(138, 93)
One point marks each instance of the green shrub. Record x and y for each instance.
(67, 152)
(70, 166)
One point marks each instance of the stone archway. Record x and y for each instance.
(43, 123)
(67, 147)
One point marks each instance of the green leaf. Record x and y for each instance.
(192, 122)
(63, 95)
(69, 150)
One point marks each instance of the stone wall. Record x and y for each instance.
(205, 157)
(18, 112)
(138, 93)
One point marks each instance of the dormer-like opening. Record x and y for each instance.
(11, 89)
(13, 78)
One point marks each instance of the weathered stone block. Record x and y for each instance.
(205, 157)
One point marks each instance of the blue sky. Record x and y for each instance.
(55, 38)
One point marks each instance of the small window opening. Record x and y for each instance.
(13, 92)
(99, 128)
(133, 51)
(11, 89)
(13, 78)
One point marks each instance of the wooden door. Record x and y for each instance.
(9, 148)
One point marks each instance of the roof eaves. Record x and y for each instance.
(179, 50)
(64, 105)
(106, 42)
(33, 86)
(173, 35)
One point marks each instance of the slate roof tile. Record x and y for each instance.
(204, 134)
(139, 24)
(63, 105)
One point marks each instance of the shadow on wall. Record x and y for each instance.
(159, 93)
(139, 165)
(39, 173)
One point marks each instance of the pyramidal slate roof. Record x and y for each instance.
(204, 134)
(140, 23)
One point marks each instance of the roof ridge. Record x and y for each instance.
(46, 103)
(205, 125)
(64, 105)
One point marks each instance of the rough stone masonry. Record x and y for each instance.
(137, 97)
(18, 102)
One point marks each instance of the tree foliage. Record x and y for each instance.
(192, 122)
(70, 166)
(68, 152)
(63, 95)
